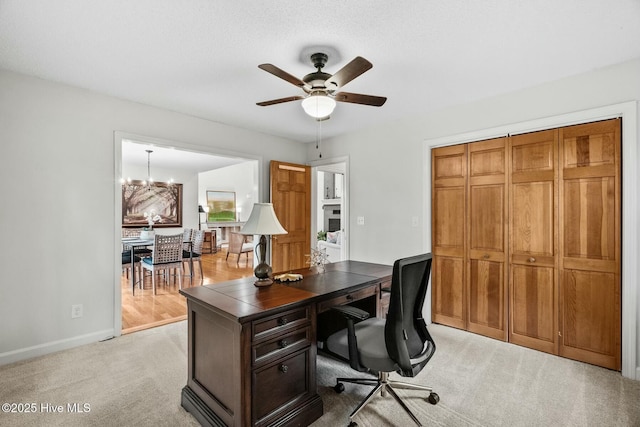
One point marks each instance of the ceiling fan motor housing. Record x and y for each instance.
(316, 79)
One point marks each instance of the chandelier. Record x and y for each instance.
(149, 181)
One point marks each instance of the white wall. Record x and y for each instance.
(57, 216)
(238, 178)
(389, 186)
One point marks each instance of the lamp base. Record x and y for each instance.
(260, 283)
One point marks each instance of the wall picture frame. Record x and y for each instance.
(222, 206)
(162, 200)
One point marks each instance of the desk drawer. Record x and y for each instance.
(348, 298)
(279, 323)
(279, 347)
(280, 385)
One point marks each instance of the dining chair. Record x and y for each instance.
(187, 237)
(195, 252)
(238, 246)
(166, 254)
(127, 265)
(135, 232)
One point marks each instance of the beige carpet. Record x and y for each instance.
(136, 380)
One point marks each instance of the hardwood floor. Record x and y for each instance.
(145, 310)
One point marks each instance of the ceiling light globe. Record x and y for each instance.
(318, 106)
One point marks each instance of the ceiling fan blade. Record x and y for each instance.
(347, 73)
(270, 68)
(279, 101)
(358, 98)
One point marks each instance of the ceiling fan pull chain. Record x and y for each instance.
(319, 136)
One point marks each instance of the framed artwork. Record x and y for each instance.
(222, 206)
(162, 202)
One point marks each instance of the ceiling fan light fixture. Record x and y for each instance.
(318, 105)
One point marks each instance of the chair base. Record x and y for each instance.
(383, 385)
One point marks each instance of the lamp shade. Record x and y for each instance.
(201, 209)
(263, 220)
(318, 105)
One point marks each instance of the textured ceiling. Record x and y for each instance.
(200, 57)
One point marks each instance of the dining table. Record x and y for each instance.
(137, 242)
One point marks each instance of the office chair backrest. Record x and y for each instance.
(406, 334)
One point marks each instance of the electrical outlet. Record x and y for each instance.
(360, 220)
(76, 311)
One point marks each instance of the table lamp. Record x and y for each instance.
(262, 221)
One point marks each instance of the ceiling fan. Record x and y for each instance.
(322, 88)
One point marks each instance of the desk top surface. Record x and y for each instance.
(242, 301)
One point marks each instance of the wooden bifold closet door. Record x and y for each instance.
(487, 238)
(590, 250)
(527, 242)
(448, 200)
(533, 230)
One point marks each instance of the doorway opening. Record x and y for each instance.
(329, 207)
(199, 170)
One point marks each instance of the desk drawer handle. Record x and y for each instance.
(485, 256)
(349, 297)
(283, 343)
(284, 369)
(532, 259)
(282, 321)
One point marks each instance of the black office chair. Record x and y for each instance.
(401, 343)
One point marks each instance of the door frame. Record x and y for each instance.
(118, 137)
(630, 274)
(316, 166)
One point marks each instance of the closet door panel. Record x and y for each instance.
(486, 298)
(590, 251)
(448, 227)
(533, 220)
(533, 233)
(448, 205)
(487, 244)
(486, 212)
(534, 305)
(591, 317)
(590, 218)
(448, 291)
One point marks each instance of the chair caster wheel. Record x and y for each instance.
(339, 388)
(433, 398)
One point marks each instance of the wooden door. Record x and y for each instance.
(448, 201)
(291, 198)
(487, 213)
(590, 322)
(533, 294)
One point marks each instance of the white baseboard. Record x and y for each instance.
(637, 374)
(53, 346)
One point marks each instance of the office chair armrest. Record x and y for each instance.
(350, 312)
(352, 315)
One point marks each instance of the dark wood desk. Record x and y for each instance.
(252, 351)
